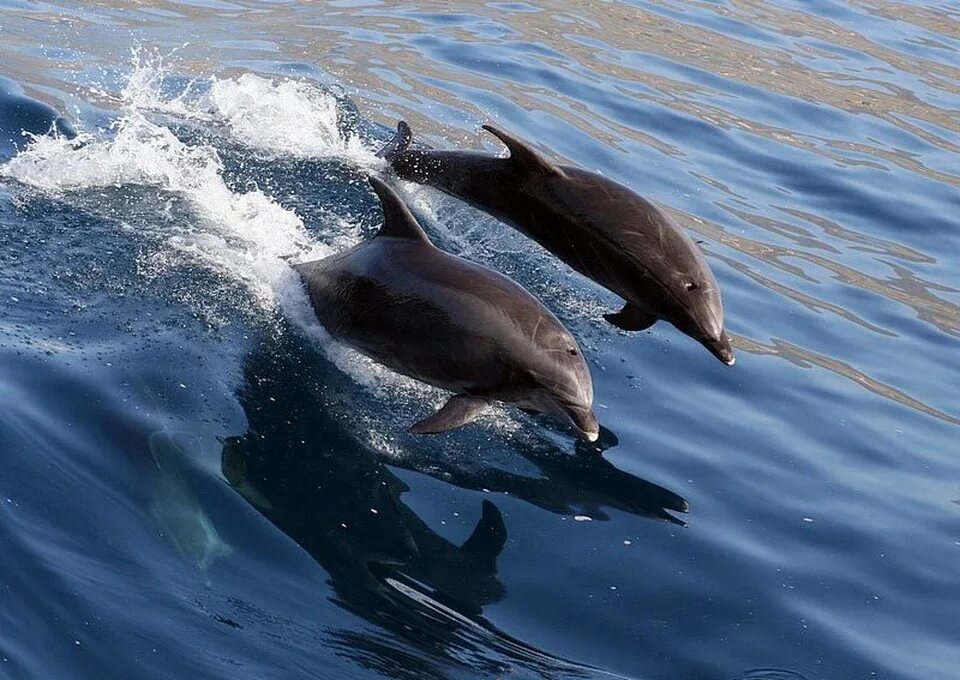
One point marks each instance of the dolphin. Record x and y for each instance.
(597, 226)
(448, 322)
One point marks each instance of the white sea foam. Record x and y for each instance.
(280, 117)
(243, 235)
(290, 118)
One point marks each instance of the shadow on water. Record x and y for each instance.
(301, 467)
(585, 483)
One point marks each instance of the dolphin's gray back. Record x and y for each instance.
(431, 315)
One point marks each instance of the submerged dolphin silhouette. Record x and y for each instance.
(177, 508)
(451, 323)
(597, 226)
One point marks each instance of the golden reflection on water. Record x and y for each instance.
(804, 358)
(382, 53)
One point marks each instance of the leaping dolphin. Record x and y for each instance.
(450, 323)
(597, 226)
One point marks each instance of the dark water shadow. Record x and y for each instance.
(582, 481)
(303, 469)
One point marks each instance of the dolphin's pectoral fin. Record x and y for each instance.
(488, 537)
(631, 318)
(458, 411)
(399, 142)
(523, 154)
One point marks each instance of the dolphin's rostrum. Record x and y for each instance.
(451, 323)
(597, 226)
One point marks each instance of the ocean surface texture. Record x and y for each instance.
(197, 483)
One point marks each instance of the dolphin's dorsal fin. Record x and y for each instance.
(398, 143)
(398, 221)
(488, 537)
(523, 154)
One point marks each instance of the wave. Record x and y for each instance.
(285, 118)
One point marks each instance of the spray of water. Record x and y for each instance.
(286, 118)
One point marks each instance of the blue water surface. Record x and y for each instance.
(197, 483)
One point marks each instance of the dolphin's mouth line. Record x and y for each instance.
(571, 408)
(721, 348)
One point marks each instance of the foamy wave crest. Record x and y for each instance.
(244, 235)
(291, 118)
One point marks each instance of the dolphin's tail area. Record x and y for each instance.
(398, 143)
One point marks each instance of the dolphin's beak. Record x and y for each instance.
(584, 420)
(721, 348)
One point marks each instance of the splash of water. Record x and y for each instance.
(290, 118)
(242, 235)
(282, 118)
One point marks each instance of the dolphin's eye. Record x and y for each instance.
(690, 285)
(572, 352)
